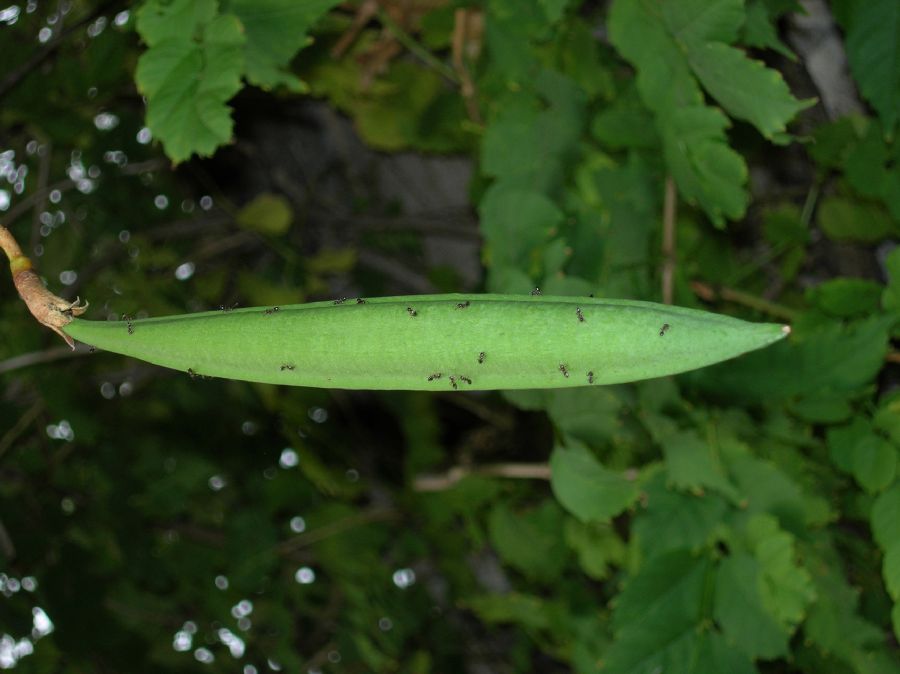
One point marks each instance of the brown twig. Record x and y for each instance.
(38, 357)
(708, 293)
(516, 471)
(467, 26)
(668, 243)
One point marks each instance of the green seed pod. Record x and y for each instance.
(428, 343)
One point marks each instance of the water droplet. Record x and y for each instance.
(108, 390)
(182, 641)
(217, 483)
(221, 582)
(184, 271)
(318, 414)
(105, 121)
(305, 575)
(289, 458)
(204, 655)
(122, 18)
(144, 136)
(44, 35)
(404, 578)
(161, 201)
(298, 524)
(68, 277)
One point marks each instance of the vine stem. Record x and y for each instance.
(707, 292)
(49, 310)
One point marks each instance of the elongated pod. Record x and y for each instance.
(436, 342)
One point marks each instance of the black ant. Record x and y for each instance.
(564, 370)
(269, 312)
(412, 312)
(664, 329)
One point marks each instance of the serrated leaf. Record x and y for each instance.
(740, 612)
(530, 541)
(885, 517)
(768, 489)
(659, 618)
(588, 415)
(187, 83)
(759, 30)
(746, 88)
(874, 462)
(873, 50)
(276, 30)
(786, 588)
(707, 170)
(585, 488)
(267, 213)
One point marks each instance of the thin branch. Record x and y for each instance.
(23, 422)
(516, 471)
(337, 527)
(464, 20)
(708, 293)
(16, 75)
(38, 357)
(668, 242)
(415, 48)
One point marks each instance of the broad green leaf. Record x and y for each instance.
(276, 30)
(740, 612)
(587, 489)
(768, 489)
(847, 297)
(786, 588)
(187, 83)
(591, 415)
(694, 23)
(845, 219)
(675, 520)
(518, 221)
(886, 517)
(267, 213)
(531, 541)
(693, 463)
(158, 21)
(660, 622)
(874, 462)
(873, 49)
(890, 299)
(842, 441)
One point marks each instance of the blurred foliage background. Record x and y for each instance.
(171, 156)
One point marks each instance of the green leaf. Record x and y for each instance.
(761, 32)
(268, 214)
(874, 462)
(598, 547)
(873, 49)
(587, 489)
(530, 541)
(518, 221)
(187, 83)
(845, 219)
(182, 20)
(847, 297)
(660, 622)
(885, 519)
(707, 170)
(588, 415)
(521, 609)
(746, 88)
(276, 30)
(891, 570)
(740, 612)
(786, 587)
(675, 520)
(693, 463)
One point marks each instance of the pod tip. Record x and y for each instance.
(786, 329)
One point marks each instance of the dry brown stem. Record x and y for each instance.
(49, 309)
